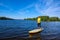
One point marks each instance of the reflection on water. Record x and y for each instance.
(35, 36)
(20, 28)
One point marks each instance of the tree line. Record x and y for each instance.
(45, 18)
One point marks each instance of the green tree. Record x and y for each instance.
(44, 18)
(53, 18)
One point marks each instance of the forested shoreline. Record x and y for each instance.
(45, 18)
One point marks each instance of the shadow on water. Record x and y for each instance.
(18, 30)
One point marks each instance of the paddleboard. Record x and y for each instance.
(36, 30)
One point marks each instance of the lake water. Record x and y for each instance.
(14, 28)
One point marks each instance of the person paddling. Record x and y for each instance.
(39, 21)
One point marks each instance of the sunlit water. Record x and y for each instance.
(20, 28)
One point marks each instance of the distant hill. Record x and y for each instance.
(5, 18)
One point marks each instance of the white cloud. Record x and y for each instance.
(50, 8)
(25, 10)
(49, 3)
(29, 6)
(1, 4)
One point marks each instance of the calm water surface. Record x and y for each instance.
(14, 28)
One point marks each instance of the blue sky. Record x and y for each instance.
(20, 9)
